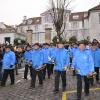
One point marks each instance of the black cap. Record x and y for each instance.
(28, 46)
(60, 42)
(94, 43)
(82, 42)
(36, 44)
(8, 46)
(46, 44)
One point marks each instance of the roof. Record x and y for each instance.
(8, 28)
(31, 21)
(95, 8)
(78, 16)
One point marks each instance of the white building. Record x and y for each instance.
(43, 29)
(35, 25)
(94, 23)
(82, 25)
(10, 37)
(8, 34)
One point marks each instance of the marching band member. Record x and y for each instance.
(47, 55)
(61, 58)
(84, 66)
(28, 61)
(1, 57)
(37, 65)
(73, 50)
(9, 60)
(96, 57)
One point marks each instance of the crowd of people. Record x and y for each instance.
(44, 60)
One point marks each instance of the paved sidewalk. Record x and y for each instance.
(21, 91)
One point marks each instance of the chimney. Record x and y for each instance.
(25, 18)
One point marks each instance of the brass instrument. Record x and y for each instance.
(41, 67)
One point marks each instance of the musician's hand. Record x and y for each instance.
(44, 65)
(94, 73)
(30, 62)
(77, 71)
(91, 74)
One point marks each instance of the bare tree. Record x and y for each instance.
(59, 13)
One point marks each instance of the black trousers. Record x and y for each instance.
(74, 72)
(97, 71)
(5, 76)
(27, 67)
(33, 78)
(57, 79)
(0, 72)
(79, 85)
(52, 66)
(48, 70)
(16, 69)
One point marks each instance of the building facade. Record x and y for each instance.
(78, 25)
(82, 25)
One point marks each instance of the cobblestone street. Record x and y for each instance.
(21, 91)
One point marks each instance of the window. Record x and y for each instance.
(46, 25)
(37, 20)
(36, 27)
(35, 37)
(75, 16)
(46, 19)
(74, 24)
(21, 28)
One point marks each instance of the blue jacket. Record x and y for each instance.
(96, 57)
(46, 55)
(37, 59)
(9, 59)
(83, 62)
(61, 58)
(28, 55)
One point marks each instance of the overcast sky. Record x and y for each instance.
(12, 11)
